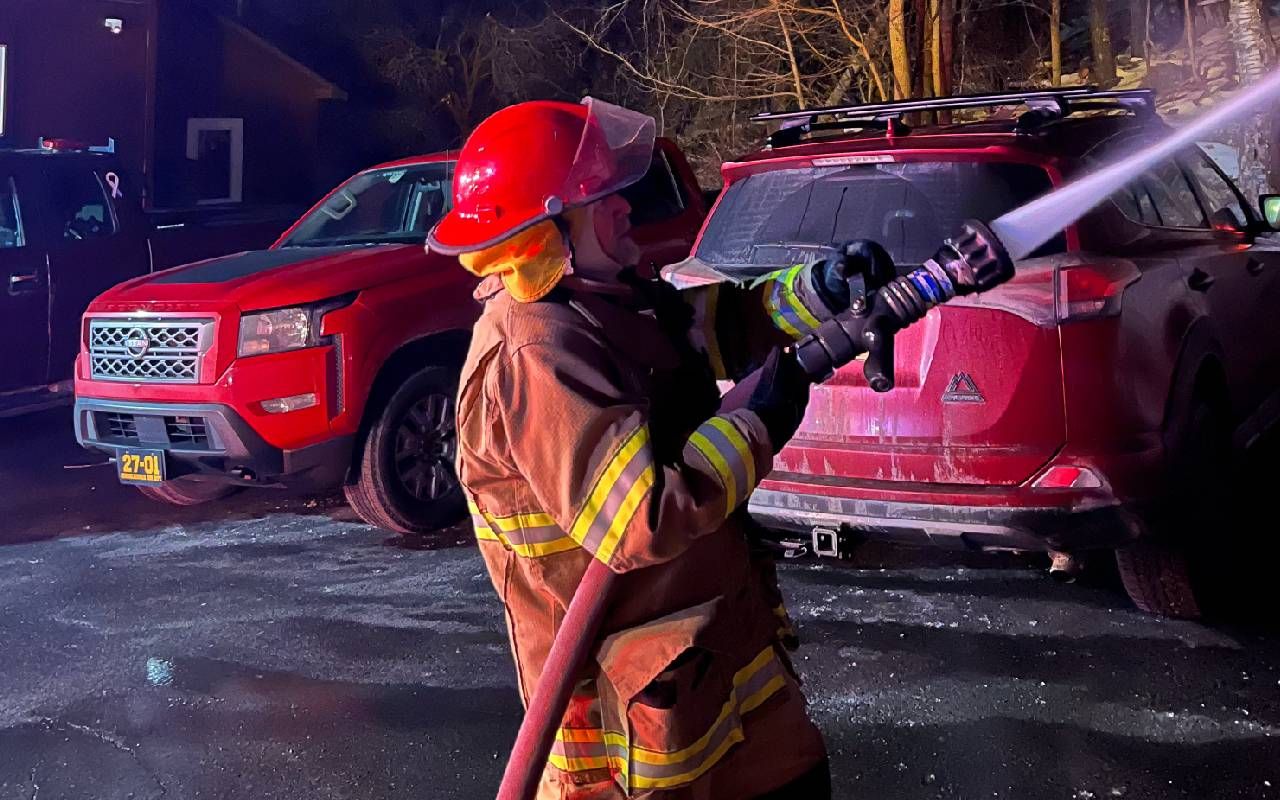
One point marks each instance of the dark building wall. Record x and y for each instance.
(71, 77)
(173, 61)
(280, 104)
(188, 85)
(211, 68)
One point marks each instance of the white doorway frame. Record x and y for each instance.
(234, 126)
(4, 86)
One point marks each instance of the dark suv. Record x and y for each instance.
(1080, 406)
(71, 226)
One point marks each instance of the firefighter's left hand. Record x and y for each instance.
(861, 263)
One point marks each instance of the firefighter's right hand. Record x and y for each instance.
(780, 397)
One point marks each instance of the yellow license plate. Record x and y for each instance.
(140, 466)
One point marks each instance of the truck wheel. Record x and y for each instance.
(1157, 571)
(406, 481)
(1157, 577)
(187, 492)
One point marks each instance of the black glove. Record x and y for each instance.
(863, 261)
(780, 397)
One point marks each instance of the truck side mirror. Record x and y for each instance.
(1270, 205)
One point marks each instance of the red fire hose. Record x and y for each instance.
(578, 632)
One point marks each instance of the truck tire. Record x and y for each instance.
(187, 492)
(1157, 577)
(406, 481)
(1157, 571)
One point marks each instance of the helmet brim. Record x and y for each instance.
(454, 234)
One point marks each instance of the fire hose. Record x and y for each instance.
(972, 261)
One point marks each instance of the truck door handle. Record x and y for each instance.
(1200, 281)
(23, 283)
(1253, 266)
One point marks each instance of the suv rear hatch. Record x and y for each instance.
(978, 399)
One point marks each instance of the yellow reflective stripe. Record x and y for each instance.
(583, 764)
(742, 676)
(709, 333)
(784, 306)
(579, 735)
(733, 708)
(586, 760)
(712, 454)
(604, 484)
(625, 512)
(794, 299)
(641, 782)
(782, 322)
(786, 628)
(739, 443)
(496, 529)
(756, 700)
(518, 521)
(539, 549)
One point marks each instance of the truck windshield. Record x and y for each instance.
(385, 206)
(787, 216)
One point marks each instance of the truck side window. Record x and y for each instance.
(1175, 202)
(11, 233)
(1217, 193)
(81, 205)
(1135, 203)
(656, 196)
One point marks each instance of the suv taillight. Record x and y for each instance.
(1088, 291)
(1046, 294)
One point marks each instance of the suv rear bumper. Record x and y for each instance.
(213, 441)
(957, 527)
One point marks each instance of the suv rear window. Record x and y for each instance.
(786, 216)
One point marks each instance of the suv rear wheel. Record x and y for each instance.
(1157, 571)
(187, 492)
(406, 480)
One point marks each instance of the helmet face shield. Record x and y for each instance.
(532, 161)
(615, 151)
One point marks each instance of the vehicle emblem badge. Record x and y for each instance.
(137, 343)
(962, 389)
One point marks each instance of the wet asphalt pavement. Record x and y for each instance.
(273, 647)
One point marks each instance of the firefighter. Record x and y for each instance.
(589, 427)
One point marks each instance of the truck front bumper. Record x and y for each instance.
(955, 527)
(209, 440)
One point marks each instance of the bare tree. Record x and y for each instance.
(898, 47)
(1189, 32)
(455, 72)
(1255, 54)
(1138, 28)
(1104, 62)
(1055, 42)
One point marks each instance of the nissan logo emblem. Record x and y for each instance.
(136, 343)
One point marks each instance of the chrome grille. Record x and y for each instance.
(149, 351)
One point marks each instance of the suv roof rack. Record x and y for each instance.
(1044, 105)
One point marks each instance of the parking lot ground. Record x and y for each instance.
(271, 646)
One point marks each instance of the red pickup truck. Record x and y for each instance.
(329, 359)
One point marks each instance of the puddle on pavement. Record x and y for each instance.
(440, 540)
(288, 700)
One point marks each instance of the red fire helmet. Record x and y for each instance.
(532, 161)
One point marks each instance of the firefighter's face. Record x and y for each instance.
(612, 220)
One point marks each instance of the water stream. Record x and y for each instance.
(1025, 228)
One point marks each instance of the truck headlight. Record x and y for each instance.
(276, 331)
(284, 329)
